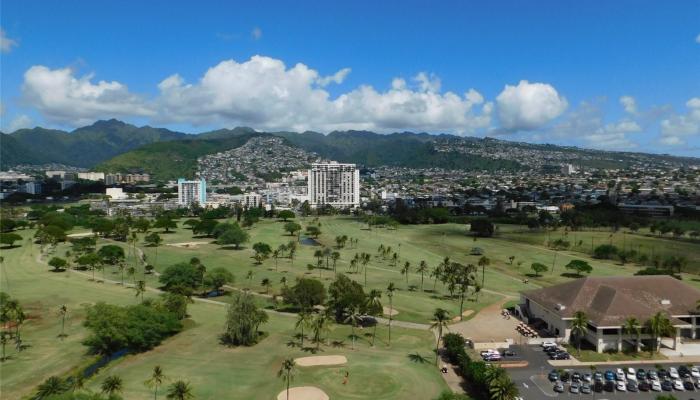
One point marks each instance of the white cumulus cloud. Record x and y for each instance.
(629, 104)
(60, 96)
(337, 78)
(676, 128)
(6, 43)
(529, 106)
(20, 122)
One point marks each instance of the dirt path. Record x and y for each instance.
(487, 325)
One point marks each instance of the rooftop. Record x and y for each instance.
(608, 301)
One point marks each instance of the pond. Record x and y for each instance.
(310, 241)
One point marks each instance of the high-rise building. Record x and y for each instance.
(189, 192)
(334, 184)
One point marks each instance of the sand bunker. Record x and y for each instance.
(303, 393)
(187, 245)
(465, 314)
(80, 235)
(389, 311)
(320, 360)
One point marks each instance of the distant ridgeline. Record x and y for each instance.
(114, 146)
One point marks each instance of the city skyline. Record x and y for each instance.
(618, 76)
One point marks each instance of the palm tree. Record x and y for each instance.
(659, 325)
(318, 254)
(249, 276)
(353, 318)
(156, 380)
(140, 288)
(373, 303)
(180, 390)
(335, 256)
(405, 270)
(441, 316)
(579, 326)
(483, 262)
(50, 387)
(112, 385)
(283, 281)
(286, 372)
(633, 327)
(62, 311)
(390, 294)
(503, 389)
(494, 372)
(276, 255)
(4, 339)
(422, 269)
(131, 271)
(320, 326)
(78, 381)
(266, 283)
(303, 320)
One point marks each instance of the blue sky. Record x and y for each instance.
(613, 75)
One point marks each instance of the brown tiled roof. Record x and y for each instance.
(608, 301)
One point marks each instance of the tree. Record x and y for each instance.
(175, 303)
(345, 294)
(353, 317)
(182, 275)
(9, 239)
(180, 390)
(156, 380)
(112, 385)
(243, 321)
(58, 264)
(440, 319)
(313, 230)
(276, 255)
(267, 284)
(286, 214)
(374, 308)
(422, 269)
(140, 289)
(303, 321)
(539, 268)
(292, 228)
(405, 270)
(153, 240)
(483, 263)
(579, 266)
(503, 389)
(217, 278)
(659, 325)
(51, 387)
(335, 256)
(234, 235)
(481, 227)
(579, 327)
(305, 293)
(390, 294)
(62, 311)
(91, 261)
(632, 326)
(320, 326)
(205, 227)
(165, 222)
(262, 251)
(287, 371)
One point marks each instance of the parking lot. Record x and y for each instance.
(534, 383)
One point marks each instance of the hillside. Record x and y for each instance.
(86, 146)
(12, 152)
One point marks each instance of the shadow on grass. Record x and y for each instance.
(417, 358)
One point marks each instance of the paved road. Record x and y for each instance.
(533, 383)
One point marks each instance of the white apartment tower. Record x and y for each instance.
(334, 184)
(189, 192)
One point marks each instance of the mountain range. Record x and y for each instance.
(115, 146)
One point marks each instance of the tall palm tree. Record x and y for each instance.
(156, 380)
(659, 325)
(140, 288)
(579, 326)
(335, 256)
(112, 385)
(390, 294)
(266, 283)
(483, 263)
(62, 311)
(320, 326)
(286, 372)
(440, 318)
(4, 339)
(276, 255)
(405, 270)
(353, 318)
(503, 389)
(422, 269)
(494, 372)
(632, 326)
(374, 303)
(180, 390)
(303, 320)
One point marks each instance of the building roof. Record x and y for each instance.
(608, 301)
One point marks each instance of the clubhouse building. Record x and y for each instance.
(608, 302)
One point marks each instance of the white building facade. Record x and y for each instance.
(334, 184)
(189, 192)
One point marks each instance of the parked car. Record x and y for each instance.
(559, 387)
(631, 374)
(560, 356)
(609, 375)
(688, 385)
(644, 386)
(553, 375)
(641, 374)
(656, 386)
(598, 386)
(548, 344)
(678, 385)
(576, 377)
(663, 374)
(695, 372)
(652, 375)
(621, 387)
(598, 377)
(673, 373)
(492, 357)
(586, 388)
(587, 377)
(632, 386)
(574, 388)
(509, 353)
(666, 386)
(620, 375)
(609, 386)
(684, 371)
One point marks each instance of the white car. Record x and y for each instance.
(631, 374)
(695, 372)
(656, 386)
(678, 385)
(548, 344)
(621, 387)
(489, 352)
(619, 374)
(673, 373)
